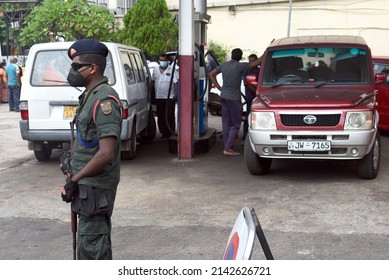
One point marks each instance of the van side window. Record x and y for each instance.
(109, 71)
(129, 69)
(139, 66)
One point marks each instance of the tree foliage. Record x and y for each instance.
(67, 19)
(14, 15)
(2, 32)
(150, 27)
(219, 50)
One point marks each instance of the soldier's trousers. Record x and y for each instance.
(94, 238)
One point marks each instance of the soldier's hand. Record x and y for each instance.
(68, 191)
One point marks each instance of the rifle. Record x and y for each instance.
(66, 170)
(73, 216)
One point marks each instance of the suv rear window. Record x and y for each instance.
(317, 64)
(51, 68)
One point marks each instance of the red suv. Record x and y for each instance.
(316, 99)
(381, 70)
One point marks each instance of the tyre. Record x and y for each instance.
(255, 164)
(45, 154)
(131, 154)
(214, 104)
(368, 166)
(149, 133)
(215, 109)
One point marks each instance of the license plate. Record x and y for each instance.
(69, 112)
(316, 146)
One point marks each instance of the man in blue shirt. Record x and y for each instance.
(12, 71)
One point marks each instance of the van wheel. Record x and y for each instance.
(149, 133)
(131, 154)
(368, 166)
(255, 164)
(45, 154)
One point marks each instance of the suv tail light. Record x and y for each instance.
(125, 109)
(23, 106)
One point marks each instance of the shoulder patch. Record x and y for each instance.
(106, 107)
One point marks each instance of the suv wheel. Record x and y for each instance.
(255, 164)
(131, 154)
(369, 165)
(44, 154)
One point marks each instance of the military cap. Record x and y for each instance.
(87, 46)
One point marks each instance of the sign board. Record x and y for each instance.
(241, 241)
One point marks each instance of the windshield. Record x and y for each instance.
(317, 66)
(52, 68)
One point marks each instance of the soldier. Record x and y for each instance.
(95, 160)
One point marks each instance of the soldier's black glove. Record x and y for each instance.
(70, 190)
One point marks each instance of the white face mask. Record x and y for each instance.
(163, 64)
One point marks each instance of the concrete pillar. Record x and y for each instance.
(186, 75)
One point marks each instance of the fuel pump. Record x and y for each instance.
(201, 19)
(203, 136)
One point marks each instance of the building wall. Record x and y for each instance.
(252, 25)
(119, 7)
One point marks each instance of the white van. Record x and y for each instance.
(48, 103)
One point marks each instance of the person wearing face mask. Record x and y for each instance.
(95, 157)
(165, 100)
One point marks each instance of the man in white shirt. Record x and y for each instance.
(165, 77)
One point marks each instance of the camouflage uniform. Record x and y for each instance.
(98, 116)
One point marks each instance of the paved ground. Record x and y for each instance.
(184, 209)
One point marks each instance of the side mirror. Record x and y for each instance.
(251, 80)
(381, 78)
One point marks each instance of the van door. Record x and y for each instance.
(131, 84)
(143, 108)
